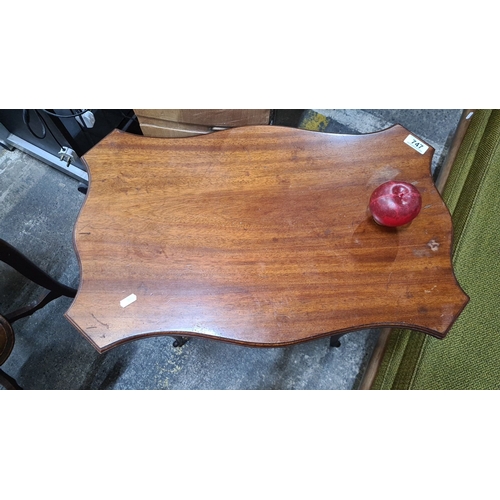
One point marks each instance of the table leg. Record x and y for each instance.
(179, 341)
(335, 340)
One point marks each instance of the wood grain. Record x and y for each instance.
(188, 122)
(259, 236)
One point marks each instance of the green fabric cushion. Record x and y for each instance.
(469, 356)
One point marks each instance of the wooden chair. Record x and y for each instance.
(54, 289)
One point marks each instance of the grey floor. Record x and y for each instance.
(38, 208)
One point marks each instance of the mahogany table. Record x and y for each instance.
(259, 236)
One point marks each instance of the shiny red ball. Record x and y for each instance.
(395, 203)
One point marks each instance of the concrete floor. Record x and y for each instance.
(38, 208)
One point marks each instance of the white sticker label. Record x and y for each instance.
(416, 144)
(128, 300)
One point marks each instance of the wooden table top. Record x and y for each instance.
(260, 236)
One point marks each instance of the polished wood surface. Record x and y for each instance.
(189, 122)
(259, 236)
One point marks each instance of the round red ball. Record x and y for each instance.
(395, 203)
